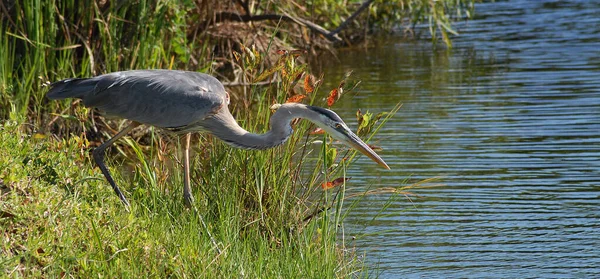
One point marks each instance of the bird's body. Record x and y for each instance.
(179, 98)
(186, 102)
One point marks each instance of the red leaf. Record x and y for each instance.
(309, 83)
(335, 183)
(327, 185)
(296, 98)
(333, 95)
(317, 131)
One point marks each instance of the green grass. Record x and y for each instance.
(43, 41)
(60, 217)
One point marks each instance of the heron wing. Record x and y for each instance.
(162, 98)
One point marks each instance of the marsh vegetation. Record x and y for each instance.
(271, 213)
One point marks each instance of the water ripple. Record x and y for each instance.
(510, 121)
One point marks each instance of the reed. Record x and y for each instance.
(43, 41)
(265, 210)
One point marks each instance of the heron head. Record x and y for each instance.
(335, 126)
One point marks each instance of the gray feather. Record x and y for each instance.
(69, 88)
(162, 98)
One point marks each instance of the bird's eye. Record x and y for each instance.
(338, 125)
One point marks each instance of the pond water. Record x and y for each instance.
(509, 119)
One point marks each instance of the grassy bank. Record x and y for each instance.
(259, 214)
(60, 218)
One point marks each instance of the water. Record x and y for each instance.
(510, 119)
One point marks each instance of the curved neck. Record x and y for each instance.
(224, 126)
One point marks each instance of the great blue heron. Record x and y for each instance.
(185, 102)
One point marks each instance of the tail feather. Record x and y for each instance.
(70, 88)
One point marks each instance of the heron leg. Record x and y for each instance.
(187, 189)
(98, 155)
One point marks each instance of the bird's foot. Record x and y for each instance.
(188, 200)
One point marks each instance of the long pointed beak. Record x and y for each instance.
(359, 145)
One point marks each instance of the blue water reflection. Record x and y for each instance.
(510, 118)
